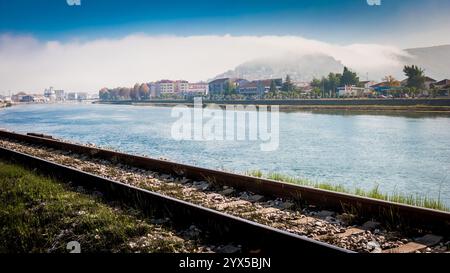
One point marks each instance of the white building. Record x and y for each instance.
(50, 94)
(39, 98)
(301, 84)
(352, 91)
(72, 96)
(169, 87)
(181, 86)
(165, 86)
(82, 96)
(60, 95)
(367, 84)
(200, 88)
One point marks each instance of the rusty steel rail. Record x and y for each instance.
(219, 226)
(384, 211)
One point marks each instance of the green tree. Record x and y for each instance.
(144, 91)
(316, 83)
(273, 87)
(434, 92)
(229, 88)
(114, 93)
(332, 83)
(323, 86)
(103, 94)
(288, 86)
(124, 93)
(316, 91)
(349, 78)
(134, 92)
(416, 76)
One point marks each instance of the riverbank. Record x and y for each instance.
(4, 105)
(356, 105)
(375, 193)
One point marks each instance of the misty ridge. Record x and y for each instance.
(435, 60)
(300, 68)
(303, 68)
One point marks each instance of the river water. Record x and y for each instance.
(399, 153)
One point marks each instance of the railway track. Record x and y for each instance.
(303, 217)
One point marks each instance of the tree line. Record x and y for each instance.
(327, 86)
(137, 92)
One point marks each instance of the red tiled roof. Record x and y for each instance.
(165, 81)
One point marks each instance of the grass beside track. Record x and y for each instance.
(39, 214)
(419, 201)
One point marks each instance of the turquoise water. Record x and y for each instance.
(405, 154)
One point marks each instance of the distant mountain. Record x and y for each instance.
(300, 68)
(435, 61)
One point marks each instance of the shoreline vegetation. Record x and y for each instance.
(355, 105)
(375, 193)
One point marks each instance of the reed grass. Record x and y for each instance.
(409, 199)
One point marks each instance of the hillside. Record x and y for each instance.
(435, 60)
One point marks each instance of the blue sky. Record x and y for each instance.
(122, 42)
(340, 21)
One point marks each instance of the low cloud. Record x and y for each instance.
(30, 65)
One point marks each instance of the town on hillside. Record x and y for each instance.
(346, 85)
